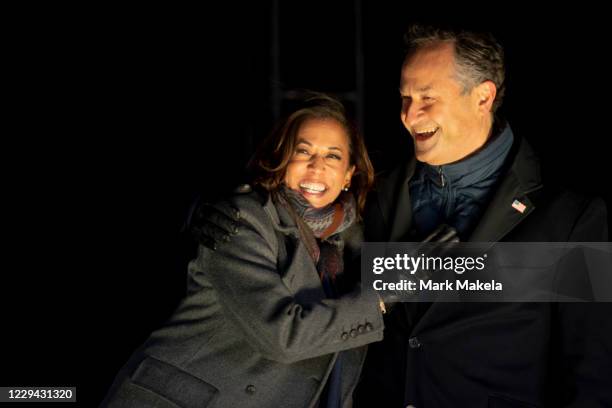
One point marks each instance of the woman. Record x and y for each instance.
(272, 318)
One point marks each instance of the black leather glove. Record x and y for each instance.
(441, 240)
(212, 224)
(444, 233)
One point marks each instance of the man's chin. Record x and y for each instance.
(425, 155)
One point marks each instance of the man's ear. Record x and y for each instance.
(486, 93)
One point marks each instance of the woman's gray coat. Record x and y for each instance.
(255, 328)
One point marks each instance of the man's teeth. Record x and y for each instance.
(316, 187)
(427, 132)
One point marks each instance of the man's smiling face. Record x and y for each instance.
(446, 122)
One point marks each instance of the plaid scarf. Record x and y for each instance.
(319, 229)
(325, 221)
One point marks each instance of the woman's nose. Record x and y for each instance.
(316, 162)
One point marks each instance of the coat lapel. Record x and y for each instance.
(500, 216)
(299, 269)
(394, 201)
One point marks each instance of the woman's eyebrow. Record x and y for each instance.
(310, 144)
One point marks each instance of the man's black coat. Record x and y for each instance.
(502, 354)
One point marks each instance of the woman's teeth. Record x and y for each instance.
(313, 187)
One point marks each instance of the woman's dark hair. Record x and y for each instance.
(269, 164)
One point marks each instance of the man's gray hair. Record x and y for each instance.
(479, 56)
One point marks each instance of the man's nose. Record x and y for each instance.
(411, 113)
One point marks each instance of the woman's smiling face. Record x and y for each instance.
(320, 166)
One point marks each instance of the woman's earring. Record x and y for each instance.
(346, 188)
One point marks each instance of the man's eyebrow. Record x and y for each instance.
(425, 88)
(421, 89)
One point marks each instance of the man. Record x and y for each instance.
(471, 172)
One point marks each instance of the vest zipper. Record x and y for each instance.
(441, 176)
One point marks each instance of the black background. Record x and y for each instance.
(119, 118)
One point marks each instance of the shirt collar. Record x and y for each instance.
(477, 166)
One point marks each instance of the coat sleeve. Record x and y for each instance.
(585, 329)
(253, 296)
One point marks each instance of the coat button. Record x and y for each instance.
(413, 342)
(361, 329)
(250, 389)
(344, 336)
(353, 333)
(369, 327)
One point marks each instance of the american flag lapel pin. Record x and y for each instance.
(518, 206)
